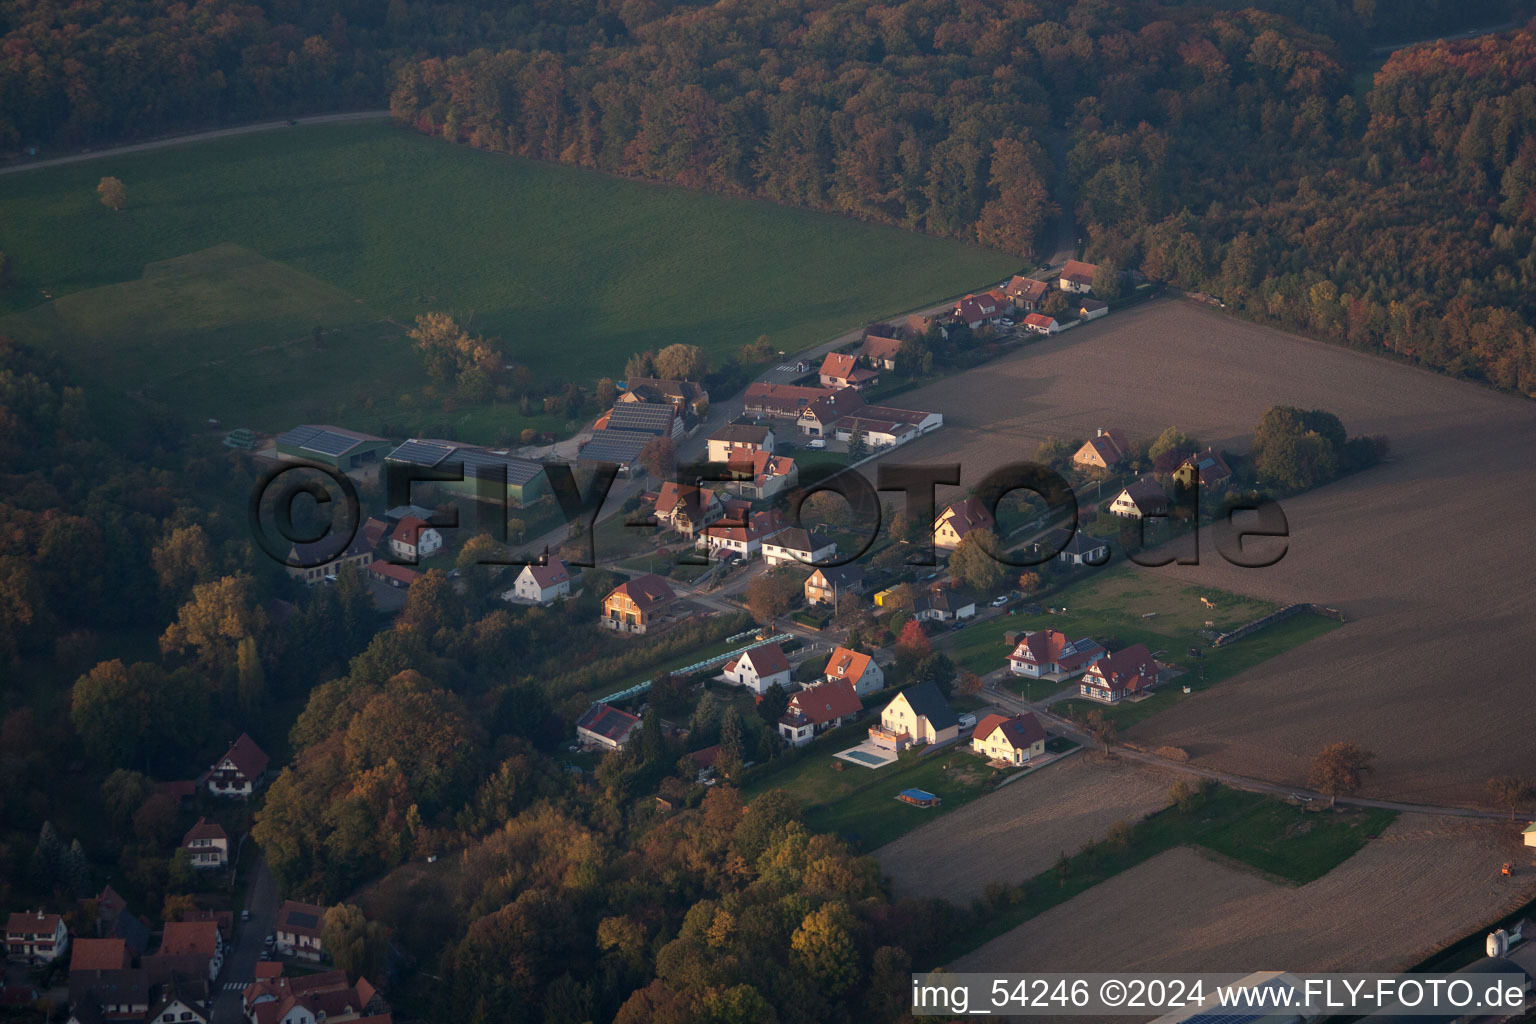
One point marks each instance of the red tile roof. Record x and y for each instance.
(408, 530)
(1039, 320)
(1132, 668)
(99, 955)
(846, 664)
(1025, 288)
(1021, 731)
(390, 571)
(204, 829)
(823, 702)
(1050, 647)
(551, 575)
(190, 938)
(246, 756)
(965, 516)
(648, 592)
(1078, 272)
(768, 659)
(305, 919)
(877, 347)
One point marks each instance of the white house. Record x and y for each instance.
(859, 669)
(739, 439)
(918, 715)
(36, 938)
(1048, 654)
(960, 519)
(818, 708)
(1077, 277)
(1139, 499)
(240, 771)
(1041, 323)
(797, 545)
(746, 539)
(1015, 741)
(299, 930)
(541, 584)
(759, 668)
(206, 844)
(1130, 672)
(414, 540)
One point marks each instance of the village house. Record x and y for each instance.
(842, 370)
(1025, 293)
(686, 508)
(1012, 741)
(605, 727)
(1140, 499)
(636, 605)
(96, 997)
(35, 938)
(1130, 672)
(1077, 277)
(541, 584)
(921, 324)
(827, 585)
(742, 535)
(414, 540)
(318, 561)
(918, 715)
(977, 310)
(680, 394)
(206, 844)
(759, 668)
(959, 519)
(1079, 548)
(99, 955)
(880, 351)
(1048, 654)
(1092, 309)
(191, 948)
(735, 439)
(299, 930)
(797, 545)
(240, 772)
(399, 577)
(818, 708)
(762, 474)
(1208, 467)
(1041, 323)
(325, 997)
(184, 1000)
(857, 668)
(1105, 450)
(944, 604)
(780, 401)
(818, 418)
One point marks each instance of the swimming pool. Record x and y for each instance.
(864, 757)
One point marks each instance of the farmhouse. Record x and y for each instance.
(960, 519)
(842, 370)
(1130, 672)
(35, 938)
(391, 575)
(797, 545)
(1208, 467)
(606, 727)
(827, 585)
(1025, 293)
(1105, 450)
(414, 540)
(486, 475)
(1092, 309)
(818, 708)
(780, 401)
(1140, 499)
(1079, 548)
(634, 606)
(314, 562)
(206, 844)
(681, 394)
(858, 669)
(1041, 323)
(1012, 741)
(686, 508)
(240, 771)
(880, 351)
(735, 439)
(742, 537)
(541, 584)
(654, 419)
(1077, 276)
(1048, 654)
(299, 929)
(918, 715)
(764, 475)
(337, 447)
(759, 668)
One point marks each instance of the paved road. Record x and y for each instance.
(177, 140)
(1015, 704)
(240, 965)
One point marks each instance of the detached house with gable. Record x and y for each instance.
(240, 772)
(1013, 741)
(207, 845)
(842, 370)
(759, 668)
(1140, 499)
(1077, 277)
(1131, 672)
(298, 929)
(880, 351)
(960, 519)
(686, 508)
(35, 938)
(414, 540)
(918, 715)
(1105, 450)
(605, 727)
(541, 584)
(857, 668)
(1025, 293)
(818, 708)
(1048, 654)
(635, 606)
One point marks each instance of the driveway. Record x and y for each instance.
(240, 966)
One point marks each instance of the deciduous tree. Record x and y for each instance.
(1339, 769)
(113, 194)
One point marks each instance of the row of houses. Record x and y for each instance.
(837, 412)
(1104, 675)
(1026, 296)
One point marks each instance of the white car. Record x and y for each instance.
(1000, 601)
(818, 443)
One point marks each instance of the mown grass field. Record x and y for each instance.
(369, 225)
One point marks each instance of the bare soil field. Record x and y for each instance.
(1424, 884)
(1431, 554)
(1019, 831)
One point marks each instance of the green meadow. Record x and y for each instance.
(206, 288)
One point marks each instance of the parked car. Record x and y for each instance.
(998, 602)
(819, 443)
(245, 915)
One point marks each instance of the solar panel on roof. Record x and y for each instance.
(298, 435)
(303, 920)
(420, 453)
(328, 442)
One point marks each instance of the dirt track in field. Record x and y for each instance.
(1019, 831)
(1424, 884)
(1431, 555)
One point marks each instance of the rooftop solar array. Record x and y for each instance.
(621, 446)
(420, 453)
(302, 919)
(652, 419)
(478, 462)
(323, 440)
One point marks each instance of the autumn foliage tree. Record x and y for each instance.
(1339, 769)
(112, 192)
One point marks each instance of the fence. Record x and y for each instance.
(1287, 612)
(639, 688)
